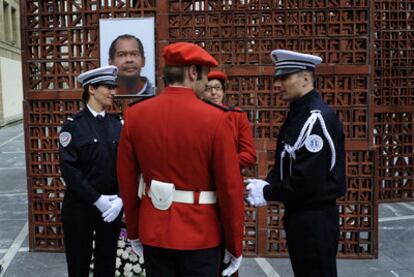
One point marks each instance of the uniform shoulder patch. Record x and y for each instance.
(65, 138)
(215, 105)
(314, 143)
(140, 100)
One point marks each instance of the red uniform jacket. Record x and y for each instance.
(244, 138)
(177, 138)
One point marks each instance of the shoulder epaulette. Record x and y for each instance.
(236, 109)
(121, 119)
(140, 100)
(116, 116)
(216, 105)
(73, 117)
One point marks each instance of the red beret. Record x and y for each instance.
(185, 53)
(215, 74)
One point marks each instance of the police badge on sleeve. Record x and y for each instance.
(314, 143)
(65, 138)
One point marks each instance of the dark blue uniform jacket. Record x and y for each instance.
(88, 162)
(307, 179)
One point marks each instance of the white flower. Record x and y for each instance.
(141, 260)
(125, 255)
(92, 265)
(133, 258)
(119, 252)
(117, 273)
(117, 262)
(128, 249)
(136, 268)
(121, 243)
(128, 274)
(127, 267)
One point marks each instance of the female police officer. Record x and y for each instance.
(91, 209)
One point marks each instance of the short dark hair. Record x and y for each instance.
(311, 73)
(112, 48)
(175, 74)
(221, 82)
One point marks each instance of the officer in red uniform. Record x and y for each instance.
(184, 149)
(243, 133)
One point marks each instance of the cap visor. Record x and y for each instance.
(286, 71)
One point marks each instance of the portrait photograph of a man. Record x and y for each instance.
(128, 44)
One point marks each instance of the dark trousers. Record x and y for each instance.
(162, 262)
(312, 238)
(82, 224)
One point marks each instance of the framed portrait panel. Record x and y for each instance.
(129, 44)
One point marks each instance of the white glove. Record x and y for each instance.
(110, 214)
(137, 248)
(234, 263)
(255, 190)
(104, 202)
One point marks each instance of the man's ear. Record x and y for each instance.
(110, 62)
(192, 72)
(307, 78)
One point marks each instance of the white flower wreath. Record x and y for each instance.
(127, 263)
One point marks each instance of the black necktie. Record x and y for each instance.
(100, 126)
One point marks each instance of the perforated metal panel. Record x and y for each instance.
(364, 79)
(393, 98)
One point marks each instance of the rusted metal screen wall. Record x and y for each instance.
(393, 93)
(61, 40)
(241, 34)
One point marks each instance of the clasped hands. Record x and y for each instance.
(255, 192)
(110, 206)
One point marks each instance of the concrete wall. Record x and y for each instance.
(11, 88)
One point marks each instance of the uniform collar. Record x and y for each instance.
(94, 113)
(301, 102)
(180, 90)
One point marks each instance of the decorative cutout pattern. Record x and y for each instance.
(367, 79)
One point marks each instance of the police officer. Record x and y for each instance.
(308, 175)
(91, 209)
(184, 148)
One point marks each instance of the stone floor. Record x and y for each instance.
(396, 236)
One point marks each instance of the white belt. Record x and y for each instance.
(185, 196)
(162, 195)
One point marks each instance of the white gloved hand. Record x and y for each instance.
(110, 214)
(137, 247)
(234, 263)
(104, 202)
(255, 192)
